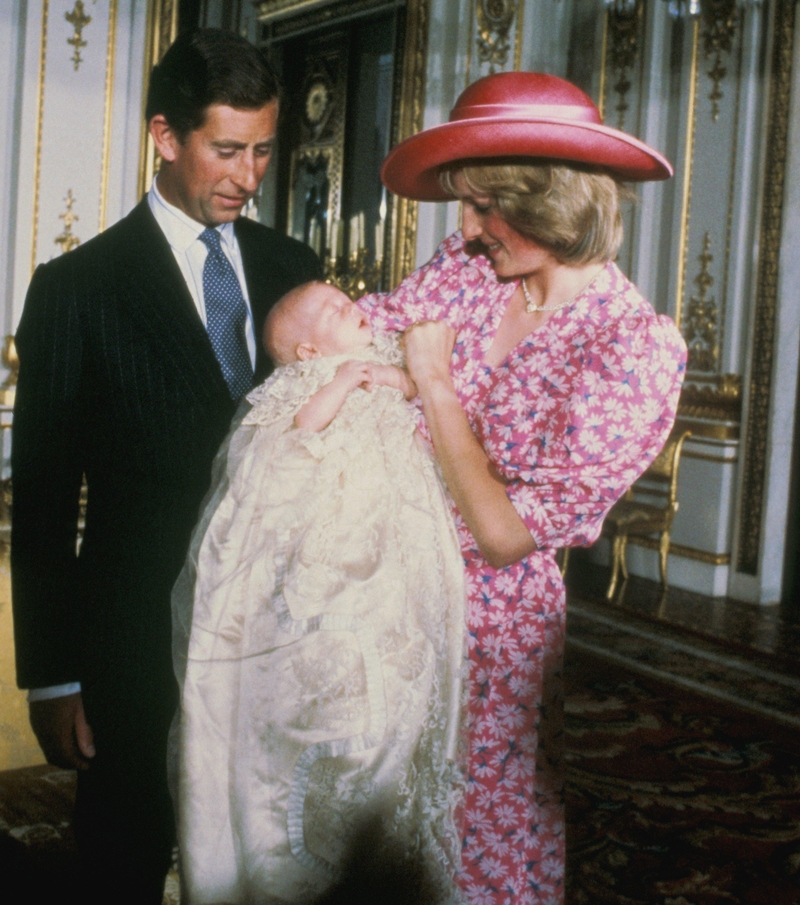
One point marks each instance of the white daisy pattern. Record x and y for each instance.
(571, 418)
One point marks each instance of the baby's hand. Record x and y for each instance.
(391, 376)
(354, 374)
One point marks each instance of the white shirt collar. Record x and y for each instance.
(179, 228)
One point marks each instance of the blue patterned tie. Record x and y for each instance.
(226, 315)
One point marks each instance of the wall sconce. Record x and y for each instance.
(690, 9)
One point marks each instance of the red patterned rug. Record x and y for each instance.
(672, 799)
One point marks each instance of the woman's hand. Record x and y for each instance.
(429, 347)
(473, 481)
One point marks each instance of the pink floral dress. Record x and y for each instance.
(571, 418)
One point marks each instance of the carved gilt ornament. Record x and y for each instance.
(67, 240)
(78, 20)
(495, 18)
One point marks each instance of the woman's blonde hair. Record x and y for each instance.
(572, 212)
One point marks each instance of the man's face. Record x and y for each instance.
(218, 168)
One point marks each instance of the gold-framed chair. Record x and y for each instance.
(647, 508)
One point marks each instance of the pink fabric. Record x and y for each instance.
(572, 417)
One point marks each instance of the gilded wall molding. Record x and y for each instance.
(494, 18)
(701, 327)
(755, 457)
(67, 239)
(719, 399)
(409, 118)
(720, 19)
(78, 19)
(107, 107)
(37, 154)
(623, 36)
(686, 188)
(162, 29)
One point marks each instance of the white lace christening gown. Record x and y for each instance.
(319, 646)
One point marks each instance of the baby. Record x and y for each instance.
(317, 320)
(318, 627)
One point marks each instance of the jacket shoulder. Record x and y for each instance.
(282, 250)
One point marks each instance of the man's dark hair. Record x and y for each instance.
(208, 66)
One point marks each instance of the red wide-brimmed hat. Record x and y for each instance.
(518, 114)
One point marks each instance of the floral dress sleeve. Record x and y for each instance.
(602, 412)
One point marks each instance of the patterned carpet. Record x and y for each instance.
(683, 782)
(674, 798)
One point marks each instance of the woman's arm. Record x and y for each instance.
(324, 405)
(478, 490)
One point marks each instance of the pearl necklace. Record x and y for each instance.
(532, 308)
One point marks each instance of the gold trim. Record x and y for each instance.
(470, 33)
(711, 559)
(162, 29)
(495, 19)
(707, 457)
(688, 153)
(109, 99)
(270, 10)
(409, 121)
(78, 20)
(709, 430)
(624, 27)
(718, 399)
(720, 18)
(518, 32)
(601, 104)
(37, 152)
(701, 330)
(764, 325)
(67, 240)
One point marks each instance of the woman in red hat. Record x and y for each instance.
(548, 384)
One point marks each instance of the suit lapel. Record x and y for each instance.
(161, 301)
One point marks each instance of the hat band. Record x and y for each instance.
(527, 111)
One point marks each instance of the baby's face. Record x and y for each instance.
(337, 324)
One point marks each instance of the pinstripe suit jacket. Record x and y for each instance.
(118, 381)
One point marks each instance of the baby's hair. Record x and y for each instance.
(280, 328)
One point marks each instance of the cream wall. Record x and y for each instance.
(715, 247)
(68, 129)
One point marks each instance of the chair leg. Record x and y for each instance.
(618, 545)
(623, 557)
(663, 553)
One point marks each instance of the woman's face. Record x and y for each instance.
(512, 254)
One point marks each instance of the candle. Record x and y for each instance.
(379, 241)
(337, 240)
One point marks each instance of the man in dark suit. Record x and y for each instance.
(135, 349)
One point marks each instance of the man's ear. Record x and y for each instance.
(164, 138)
(306, 351)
